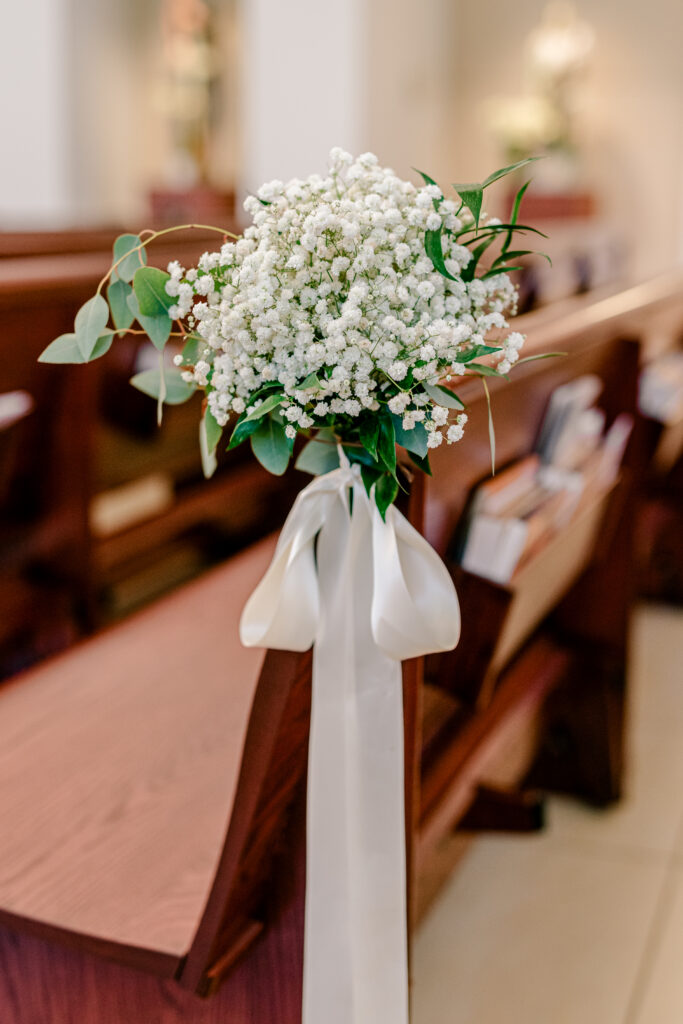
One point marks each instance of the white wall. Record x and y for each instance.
(37, 124)
(304, 77)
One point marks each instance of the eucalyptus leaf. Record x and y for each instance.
(414, 440)
(208, 453)
(91, 320)
(157, 328)
(117, 296)
(266, 406)
(443, 396)
(243, 429)
(541, 355)
(485, 371)
(213, 430)
(319, 456)
(271, 446)
(434, 250)
(64, 349)
(191, 349)
(149, 285)
(127, 246)
(309, 383)
(171, 387)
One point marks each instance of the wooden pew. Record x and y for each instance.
(153, 788)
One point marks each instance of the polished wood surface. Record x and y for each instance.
(119, 763)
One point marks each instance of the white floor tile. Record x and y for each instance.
(647, 817)
(661, 1000)
(528, 932)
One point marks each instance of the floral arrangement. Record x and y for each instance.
(346, 312)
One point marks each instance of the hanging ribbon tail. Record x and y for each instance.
(371, 594)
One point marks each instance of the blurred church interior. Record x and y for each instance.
(545, 755)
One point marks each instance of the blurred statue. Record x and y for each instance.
(543, 120)
(190, 72)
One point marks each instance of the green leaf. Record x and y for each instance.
(213, 430)
(422, 463)
(207, 451)
(117, 297)
(515, 254)
(266, 406)
(492, 433)
(485, 371)
(434, 250)
(149, 285)
(91, 320)
(386, 443)
(128, 244)
(443, 396)
(499, 270)
(319, 456)
(414, 440)
(386, 490)
(475, 352)
(369, 435)
(370, 474)
(177, 390)
(497, 175)
(191, 349)
(309, 383)
(469, 270)
(157, 328)
(473, 197)
(430, 181)
(271, 446)
(64, 349)
(243, 429)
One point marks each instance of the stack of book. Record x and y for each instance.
(515, 513)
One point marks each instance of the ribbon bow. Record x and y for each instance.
(367, 594)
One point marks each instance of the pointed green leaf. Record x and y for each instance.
(430, 181)
(309, 383)
(271, 446)
(91, 320)
(127, 246)
(469, 270)
(386, 490)
(485, 371)
(370, 475)
(497, 175)
(414, 440)
(149, 285)
(117, 296)
(171, 388)
(434, 250)
(443, 396)
(158, 328)
(243, 429)
(423, 464)
(473, 197)
(541, 355)
(386, 443)
(369, 435)
(500, 270)
(64, 349)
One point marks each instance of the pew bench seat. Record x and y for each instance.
(119, 767)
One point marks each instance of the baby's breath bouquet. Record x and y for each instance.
(346, 312)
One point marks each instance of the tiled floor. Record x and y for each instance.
(584, 923)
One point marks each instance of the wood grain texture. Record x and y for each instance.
(119, 764)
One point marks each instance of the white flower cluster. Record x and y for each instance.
(331, 295)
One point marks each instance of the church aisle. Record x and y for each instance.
(584, 923)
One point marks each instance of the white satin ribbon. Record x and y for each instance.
(371, 594)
